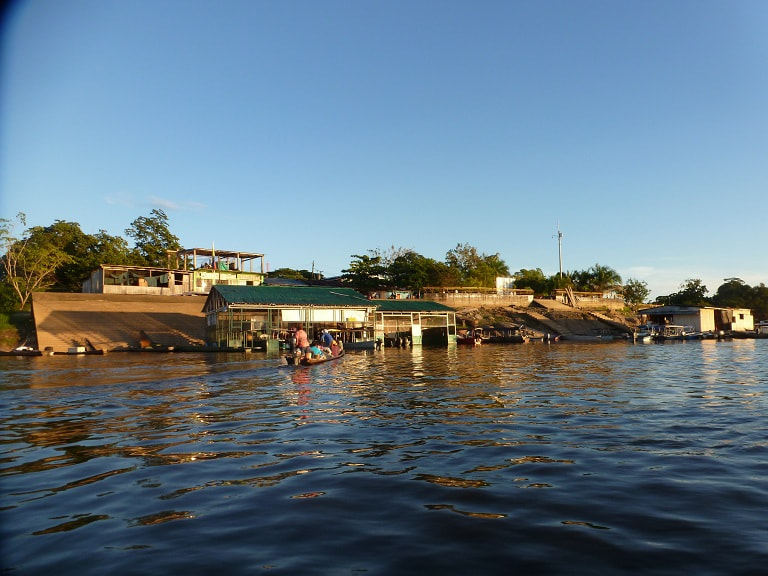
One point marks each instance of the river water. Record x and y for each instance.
(503, 459)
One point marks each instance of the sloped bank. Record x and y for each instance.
(544, 320)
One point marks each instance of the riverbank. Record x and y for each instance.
(575, 321)
(17, 328)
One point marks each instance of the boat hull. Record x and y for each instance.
(299, 360)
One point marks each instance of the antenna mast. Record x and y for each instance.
(560, 248)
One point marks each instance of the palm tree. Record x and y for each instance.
(603, 277)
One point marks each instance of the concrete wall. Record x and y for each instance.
(466, 299)
(114, 322)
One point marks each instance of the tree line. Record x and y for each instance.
(400, 268)
(61, 256)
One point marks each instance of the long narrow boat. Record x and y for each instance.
(21, 351)
(303, 361)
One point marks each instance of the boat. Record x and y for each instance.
(587, 337)
(677, 332)
(506, 333)
(760, 331)
(21, 351)
(353, 338)
(644, 333)
(300, 360)
(470, 338)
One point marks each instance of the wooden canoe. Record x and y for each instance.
(302, 361)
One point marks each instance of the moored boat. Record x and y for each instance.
(470, 338)
(677, 332)
(644, 333)
(760, 331)
(21, 351)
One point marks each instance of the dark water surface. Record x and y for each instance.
(519, 459)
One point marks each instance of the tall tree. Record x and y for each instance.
(153, 238)
(464, 258)
(366, 273)
(533, 279)
(487, 270)
(734, 293)
(476, 269)
(108, 249)
(414, 272)
(635, 292)
(759, 302)
(29, 263)
(603, 278)
(291, 274)
(692, 293)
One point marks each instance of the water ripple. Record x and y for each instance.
(544, 459)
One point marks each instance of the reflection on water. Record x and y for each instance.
(533, 458)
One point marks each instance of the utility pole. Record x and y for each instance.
(560, 248)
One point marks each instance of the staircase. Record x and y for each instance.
(611, 322)
(549, 323)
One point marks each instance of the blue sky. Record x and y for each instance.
(312, 130)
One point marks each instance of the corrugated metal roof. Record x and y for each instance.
(411, 305)
(670, 310)
(291, 296)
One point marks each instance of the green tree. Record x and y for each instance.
(692, 293)
(759, 302)
(635, 292)
(414, 272)
(107, 249)
(463, 258)
(29, 263)
(291, 274)
(603, 278)
(559, 282)
(476, 269)
(366, 273)
(153, 239)
(734, 293)
(487, 269)
(581, 280)
(532, 280)
(86, 251)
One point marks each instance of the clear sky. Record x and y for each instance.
(312, 130)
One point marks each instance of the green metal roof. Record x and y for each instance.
(411, 305)
(291, 296)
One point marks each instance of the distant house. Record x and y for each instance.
(191, 271)
(703, 319)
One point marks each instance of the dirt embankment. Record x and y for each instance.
(573, 320)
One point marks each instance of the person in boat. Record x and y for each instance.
(302, 341)
(327, 340)
(316, 351)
